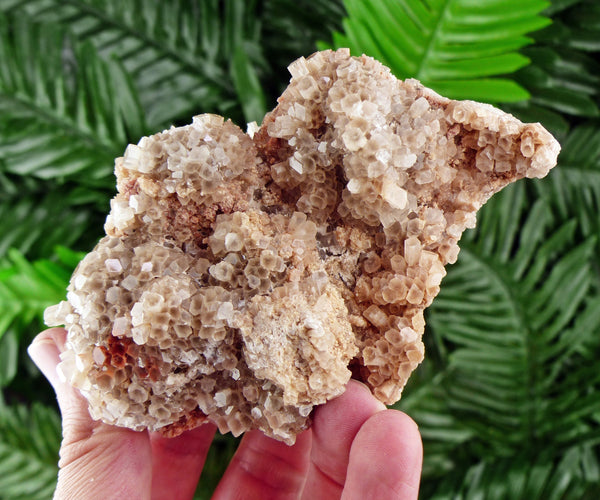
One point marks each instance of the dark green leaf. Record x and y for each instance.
(29, 442)
(514, 315)
(9, 354)
(64, 112)
(562, 76)
(34, 222)
(176, 53)
(248, 86)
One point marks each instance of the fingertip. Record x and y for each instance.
(386, 458)
(356, 402)
(335, 426)
(401, 429)
(56, 335)
(398, 418)
(343, 415)
(45, 351)
(355, 387)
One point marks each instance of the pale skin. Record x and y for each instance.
(355, 449)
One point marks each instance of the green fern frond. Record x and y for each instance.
(177, 52)
(562, 79)
(573, 187)
(219, 455)
(34, 221)
(514, 317)
(523, 477)
(512, 342)
(65, 113)
(29, 444)
(9, 357)
(457, 47)
(247, 86)
(585, 15)
(557, 6)
(294, 26)
(564, 75)
(27, 288)
(442, 432)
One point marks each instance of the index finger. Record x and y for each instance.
(178, 461)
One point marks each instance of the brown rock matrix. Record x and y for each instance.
(245, 277)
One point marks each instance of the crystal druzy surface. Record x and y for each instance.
(245, 277)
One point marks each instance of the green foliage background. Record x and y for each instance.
(508, 399)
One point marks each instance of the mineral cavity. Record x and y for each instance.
(245, 277)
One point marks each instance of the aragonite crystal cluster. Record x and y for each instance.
(245, 277)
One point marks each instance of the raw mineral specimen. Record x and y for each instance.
(245, 277)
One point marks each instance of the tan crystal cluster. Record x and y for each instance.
(245, 278)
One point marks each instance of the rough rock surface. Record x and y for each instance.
(245, 277)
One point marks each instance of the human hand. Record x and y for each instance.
(355, 449)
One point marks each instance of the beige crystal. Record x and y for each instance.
(244, 279)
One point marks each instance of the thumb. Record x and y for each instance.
(97, 460)
(45, 352)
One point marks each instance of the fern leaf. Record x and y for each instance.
(563, 80)
(248, 87)
(585, 15)
(64, 112)
(457, 47)
(573, 188)
(564, 75)
(557, 6)
(29, 443)
(9, 355)
(522, 330)
(34, 220)
(442, 433)
(294, 26)
(514, 316)
(522, 477)
(219, 455)
(27, 288)
(176, 52)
